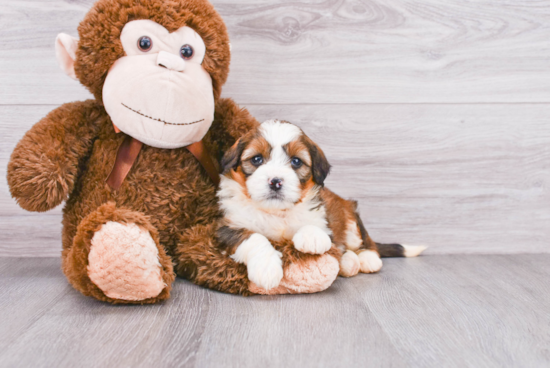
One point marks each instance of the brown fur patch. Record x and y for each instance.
(320, 167)
(307, 186)
(203, 262)
(229, 238)
(257, 145)
(339, 213)
(299, 149)
(240, 178)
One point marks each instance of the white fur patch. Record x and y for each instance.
(312, 239)
(370, 261)
(278, 134)
(243, 212)
(349, 264)
(413, 250)
(264, 264)
(353, 238)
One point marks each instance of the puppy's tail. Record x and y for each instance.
(400, 250)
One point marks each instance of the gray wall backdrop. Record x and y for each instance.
(434, 113)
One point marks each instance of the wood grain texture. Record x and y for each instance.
(22, 303)
(331, 51)
(460, 178)
(285, 332)
(433, 311)
(464, 311)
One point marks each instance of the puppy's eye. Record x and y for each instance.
(257, 160)
(296, 162)
(186, 52)
(145, 43)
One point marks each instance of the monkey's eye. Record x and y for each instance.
(257, 160)
(145, 43)
(186, 52)
(296, 162)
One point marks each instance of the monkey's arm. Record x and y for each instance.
(45, 163)
(230, 123)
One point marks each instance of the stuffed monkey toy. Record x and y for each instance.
(137, 166)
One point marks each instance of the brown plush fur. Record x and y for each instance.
(69, 154)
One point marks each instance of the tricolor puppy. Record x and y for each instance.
(272, 189)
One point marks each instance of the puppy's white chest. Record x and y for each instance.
(276, 225)
(286, 225)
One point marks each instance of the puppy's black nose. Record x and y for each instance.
(276, 184)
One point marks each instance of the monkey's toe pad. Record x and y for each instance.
(124, 262)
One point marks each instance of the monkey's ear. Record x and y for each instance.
(232, 157)
(65, 51)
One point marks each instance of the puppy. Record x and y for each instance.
(272, 189)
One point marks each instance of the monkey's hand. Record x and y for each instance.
(45, 163)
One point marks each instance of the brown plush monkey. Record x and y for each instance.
(141, 204)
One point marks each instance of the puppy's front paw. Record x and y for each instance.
(312, 239)
(266, 270)
(264, 264)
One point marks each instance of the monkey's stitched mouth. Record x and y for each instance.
(162, 121)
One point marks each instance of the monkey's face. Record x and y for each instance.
(159, 92)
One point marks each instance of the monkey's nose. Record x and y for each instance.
(170, 61)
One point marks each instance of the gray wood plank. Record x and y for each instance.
(464, 311)
(30, 235)
(84, 332)
(331, 329)
(443, 311)
(460, 178)
(29, 287)
(324, 52)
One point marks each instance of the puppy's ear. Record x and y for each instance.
(232, 157)
(320, 167)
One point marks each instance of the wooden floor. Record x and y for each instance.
(432, 311)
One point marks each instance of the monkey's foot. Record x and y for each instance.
(124, 262)
(116, 257)
(306, 276)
